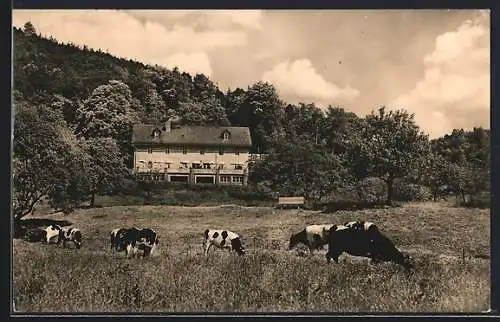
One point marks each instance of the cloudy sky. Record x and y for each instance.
(434, 63)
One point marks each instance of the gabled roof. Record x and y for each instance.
(142, 134)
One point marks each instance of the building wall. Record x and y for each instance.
(175, 157)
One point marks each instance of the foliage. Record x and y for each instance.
(45, 159)
(322, 153)
(394, 146)
(105, 168)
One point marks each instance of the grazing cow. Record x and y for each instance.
(116, 237)
(70, 234)
(313, 236)
(362, 243)
(135, 239)
(223, 239)
(51, 232)
(35, 235)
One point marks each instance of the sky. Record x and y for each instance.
(433, 63)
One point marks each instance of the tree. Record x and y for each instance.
(153, 109)
(298, 167)
(44, 148)
(262, 111)
(29, 29)
(104, 166)
(108, 112)
(393, 145)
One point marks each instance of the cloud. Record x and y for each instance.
(455, 89)
(128, 36)
(205, 19)
(193, 63)
(299, 79)
(250, 19)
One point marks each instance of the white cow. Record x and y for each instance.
(223, 239)
(51, 232)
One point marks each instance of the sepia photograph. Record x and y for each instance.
(251, 161)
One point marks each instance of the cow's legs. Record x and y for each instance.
(129, 250)
(332, 255)
(207, 248)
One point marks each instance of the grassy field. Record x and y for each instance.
(269, 278)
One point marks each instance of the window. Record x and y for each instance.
(238, 179)
(196, 166)
(221, 150)
(167, 150)
(184, 150)
(206, 165)
(238, 167)
(150, 150)
(184, 165)
(225, 179)
(236, 151)
(150, 164)
(156, 134)
(221, 167)
(202, 151)
(225, 136)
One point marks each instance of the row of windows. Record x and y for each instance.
(198, 166)
(202, 151)
(222, 179)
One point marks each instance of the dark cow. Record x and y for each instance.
(35, 235)
(223, 239)
(135, 239)
(68, 234)
(313, 236)
(361, 243)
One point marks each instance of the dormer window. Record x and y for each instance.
(156, 133)
(226, 135)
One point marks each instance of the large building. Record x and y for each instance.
(191, 154)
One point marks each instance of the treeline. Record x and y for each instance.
(75, 106)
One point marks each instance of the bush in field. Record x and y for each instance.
(406, 191)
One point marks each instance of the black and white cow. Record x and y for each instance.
(223, 239)
(135, 239)
(116, 237)
(51, 232)
(359, 242)
(313, 236)
(69, 234)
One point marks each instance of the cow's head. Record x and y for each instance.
(77, 239)
(300, 237)
(408, 261)
(237, 246)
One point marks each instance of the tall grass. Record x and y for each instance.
(261, 281)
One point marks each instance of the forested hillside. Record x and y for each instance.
(74, 108)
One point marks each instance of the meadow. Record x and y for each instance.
(450, 246)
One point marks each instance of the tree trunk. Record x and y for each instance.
(92, 199)
(389, 191)
(462, 192)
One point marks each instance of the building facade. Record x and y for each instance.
(191, 154)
